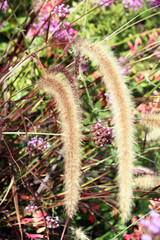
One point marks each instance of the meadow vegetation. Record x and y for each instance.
(80, 119)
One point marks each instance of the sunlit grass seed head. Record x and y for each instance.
(121, 109)
(63, 94)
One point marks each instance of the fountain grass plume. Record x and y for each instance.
(80, 234)
(71, 129)
(121, 108)
(146, 181)
(153, 135)
(150, 121)
(67, 74)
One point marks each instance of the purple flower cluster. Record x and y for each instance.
(84, 67)
(126, 68)
(35, 143)
(4, 5)
(52, 223)
(106, 3)
(61, 11)
(62, 36)
(132, 4)
(55, 24)
(101, 134)
(154, 3)
(151, 226)
(30, 209)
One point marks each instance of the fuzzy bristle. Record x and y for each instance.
(80, 234)
(147, 182)
(153, 135)
(71, 136)
(150, 121)
(121, 108)
(69, 78)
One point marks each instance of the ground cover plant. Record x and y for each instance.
(79, 123)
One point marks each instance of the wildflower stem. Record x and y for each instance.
(32, 133)
(87, 92)
(155, 88)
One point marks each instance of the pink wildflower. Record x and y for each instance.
(134, 47)
(136, 235)
(34, 236)
(145, 74)
(140, 78)
(154, 203)
(106, 3)
(134, 220)
(31, 33)
(38, 218)
(47, 8)
(127, 236)
(132, 4)
(143, 108)
(4, 5)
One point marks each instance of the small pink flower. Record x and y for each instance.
(154, 203)
(134, 47)
(33, 236)
(47, 8)
(127, 236)
(143, 108)
(152, 37)
(31, 33)
(134, 220)
(140, 78)
(38, 218)
(27, 220)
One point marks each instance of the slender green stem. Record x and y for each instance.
(157, 86)
(30, 133)
(85, 18)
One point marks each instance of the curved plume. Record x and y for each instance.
(150, 120)
(147, 181)
(121, 108)
(68, 75)
(80, 234)
(71, 129)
